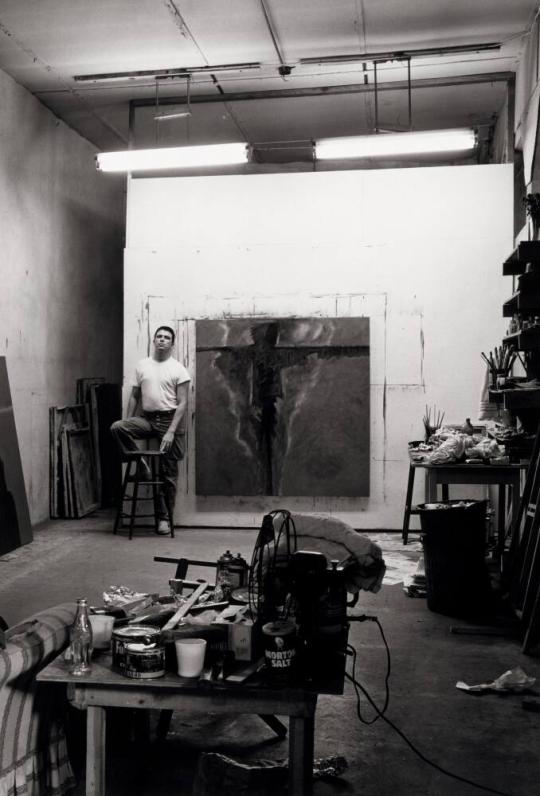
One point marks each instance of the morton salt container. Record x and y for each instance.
(279, 650)
(137, 652)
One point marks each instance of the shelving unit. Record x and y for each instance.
(525, 300)
(525, 253)
(524, 262)
(526, 340)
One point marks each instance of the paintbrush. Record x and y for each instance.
(486, 360)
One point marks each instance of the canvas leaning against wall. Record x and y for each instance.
(15, 526)
(282, 407)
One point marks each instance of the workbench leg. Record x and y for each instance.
(431, 486)
(501, 518)
(95, 751)
(516, 497)
(408, 505)
(301, 732)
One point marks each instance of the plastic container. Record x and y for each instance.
(454, 541)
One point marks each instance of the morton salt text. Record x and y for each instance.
(281, 658)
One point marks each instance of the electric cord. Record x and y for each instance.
(380, 713)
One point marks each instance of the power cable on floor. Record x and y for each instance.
(380, 713)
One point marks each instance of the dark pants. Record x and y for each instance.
(153, 425)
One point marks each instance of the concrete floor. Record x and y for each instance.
(488, 738)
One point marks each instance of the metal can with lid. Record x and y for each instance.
(137, 652)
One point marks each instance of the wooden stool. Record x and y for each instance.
(132, 475)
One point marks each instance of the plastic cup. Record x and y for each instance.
(102, 628)
(190, 654)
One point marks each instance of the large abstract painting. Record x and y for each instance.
(283, 407)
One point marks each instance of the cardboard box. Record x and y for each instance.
(241, 640)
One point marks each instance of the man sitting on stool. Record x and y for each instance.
(161, 388)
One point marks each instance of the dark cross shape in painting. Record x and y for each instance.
(265, 388)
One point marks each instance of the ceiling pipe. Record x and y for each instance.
(380, 57)
(318, 91)
(181, 71)
(399, 55)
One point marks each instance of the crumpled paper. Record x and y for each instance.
(513, 681)
(131, 602)
(451, 450)
(486, 449)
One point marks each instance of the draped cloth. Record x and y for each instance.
(339, 541)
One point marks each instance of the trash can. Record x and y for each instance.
(454, 540)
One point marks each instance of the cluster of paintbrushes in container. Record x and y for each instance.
(500, 362)
(432, 422)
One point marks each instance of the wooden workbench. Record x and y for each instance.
(501, 475)
(103, 688)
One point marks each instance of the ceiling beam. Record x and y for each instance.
(318, 91)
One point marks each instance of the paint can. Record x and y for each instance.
(279, 650)
(137, 652)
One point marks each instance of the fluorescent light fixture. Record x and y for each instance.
(164, 117)
(172, 157)
(386, 144)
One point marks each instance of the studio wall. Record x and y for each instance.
(61, 299)
(418, 251)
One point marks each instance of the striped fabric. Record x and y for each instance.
(33, 752)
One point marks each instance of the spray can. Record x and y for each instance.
(234, 568)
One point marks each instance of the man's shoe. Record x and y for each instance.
(164, 528)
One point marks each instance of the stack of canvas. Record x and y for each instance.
(85, 467)
(73, 484)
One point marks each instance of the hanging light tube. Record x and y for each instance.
(387, 144)
(172, 157)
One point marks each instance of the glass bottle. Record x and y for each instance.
(467, 427)
(80, 640)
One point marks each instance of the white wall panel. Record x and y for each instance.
(62, 228)
(419, 251)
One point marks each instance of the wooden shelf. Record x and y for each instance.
(526, 252)
(522, 399)
(529, 282)
(526, 303)
(525, 340)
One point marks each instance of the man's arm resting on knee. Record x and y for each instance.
(181, 397)
(133, 401)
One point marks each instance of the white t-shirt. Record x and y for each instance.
(158, 382)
